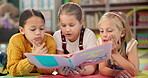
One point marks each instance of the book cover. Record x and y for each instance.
(93, 55)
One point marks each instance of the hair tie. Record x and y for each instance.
(117, 16)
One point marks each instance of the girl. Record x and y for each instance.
(31, 39)
(124, 63)
(73, 37)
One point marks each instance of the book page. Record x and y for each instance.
(93, 55)
(48, 61)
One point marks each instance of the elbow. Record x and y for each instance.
(89, 70)
(16, 73)
(134, 72)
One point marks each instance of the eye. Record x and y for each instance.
(110, 30)
(42, 28)
(32, 29)
(63, 25)
(101, 31)
(72, 25)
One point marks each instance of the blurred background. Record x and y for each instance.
(136, 11)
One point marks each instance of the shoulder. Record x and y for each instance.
(57, 32)
(48, 36)
(48, 39)
(130, 44)
(17, 40)
(16, 37)
(88, 31)
(57, 35)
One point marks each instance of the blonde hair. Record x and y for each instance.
(70, 8)
(121, 21)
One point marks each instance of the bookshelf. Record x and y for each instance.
(7, 32)
(138, 18)
(49, 8)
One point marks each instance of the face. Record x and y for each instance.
(70, 27)
(107, 29)
(34, 29)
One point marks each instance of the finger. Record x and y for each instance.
(63, 71)
(71, 73)
(109, 38)
(119, 42)
(62, 68)
(45, 50)
(67, 71)
(33, 48)
(82, 66)
(36, 43)
(78, 69)
(121, 76)
(114, 40)
(42, 46)
(74, 71)
(124, 75)
(127, 74)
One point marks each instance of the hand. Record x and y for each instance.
(116, 44)
(40, 49)
(67, 71)
(123, 74)
(67, 55)
(80, 69)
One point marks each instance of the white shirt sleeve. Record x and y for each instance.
(57, 38)
(130, 44)
(89, 39)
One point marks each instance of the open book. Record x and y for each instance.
(89, 56)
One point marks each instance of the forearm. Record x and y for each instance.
(45, 71)
(20, 68)
(125, 64)
(90, 69)
(108, 71)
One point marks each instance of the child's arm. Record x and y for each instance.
(87, 70)
(17, 64)
(103, 69)
(132, 64)
(51, 49)
(59, 52)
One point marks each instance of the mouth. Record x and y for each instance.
(68, 35)
(38, 38)
(105, 41)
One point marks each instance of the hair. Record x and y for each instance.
(70, 8)
(121, 21)
(27, 14)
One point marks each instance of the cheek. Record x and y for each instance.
(29, 36)
(62, 29)
(117, 36)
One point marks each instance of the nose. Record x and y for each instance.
(38, 32)
(104, 34)
(67, 28)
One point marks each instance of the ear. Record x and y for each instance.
(81, 22)
(21, 29)
(123, 32)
